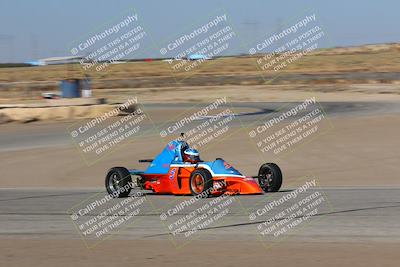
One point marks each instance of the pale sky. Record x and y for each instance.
(43, 28)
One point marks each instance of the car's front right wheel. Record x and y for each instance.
(270, 177)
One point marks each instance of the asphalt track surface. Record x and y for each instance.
(346, 215)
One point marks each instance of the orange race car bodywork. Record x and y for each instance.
(177, 182)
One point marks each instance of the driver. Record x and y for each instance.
(191, 155)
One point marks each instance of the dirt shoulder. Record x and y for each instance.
(199, 253)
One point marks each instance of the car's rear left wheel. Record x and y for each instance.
(118, 182)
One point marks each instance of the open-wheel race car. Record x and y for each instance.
(178, 170)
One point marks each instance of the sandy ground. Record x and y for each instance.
(20, 253)
(258, 93)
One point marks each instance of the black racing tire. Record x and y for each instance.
(201, 183)
(270, 177)
(118, 182)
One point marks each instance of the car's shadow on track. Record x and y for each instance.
(149, 193)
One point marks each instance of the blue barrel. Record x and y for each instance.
(70, 88)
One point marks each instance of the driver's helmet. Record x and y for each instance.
(191, 155)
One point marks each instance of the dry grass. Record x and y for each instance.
(384, 59)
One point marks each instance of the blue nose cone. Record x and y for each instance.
(220, 166)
